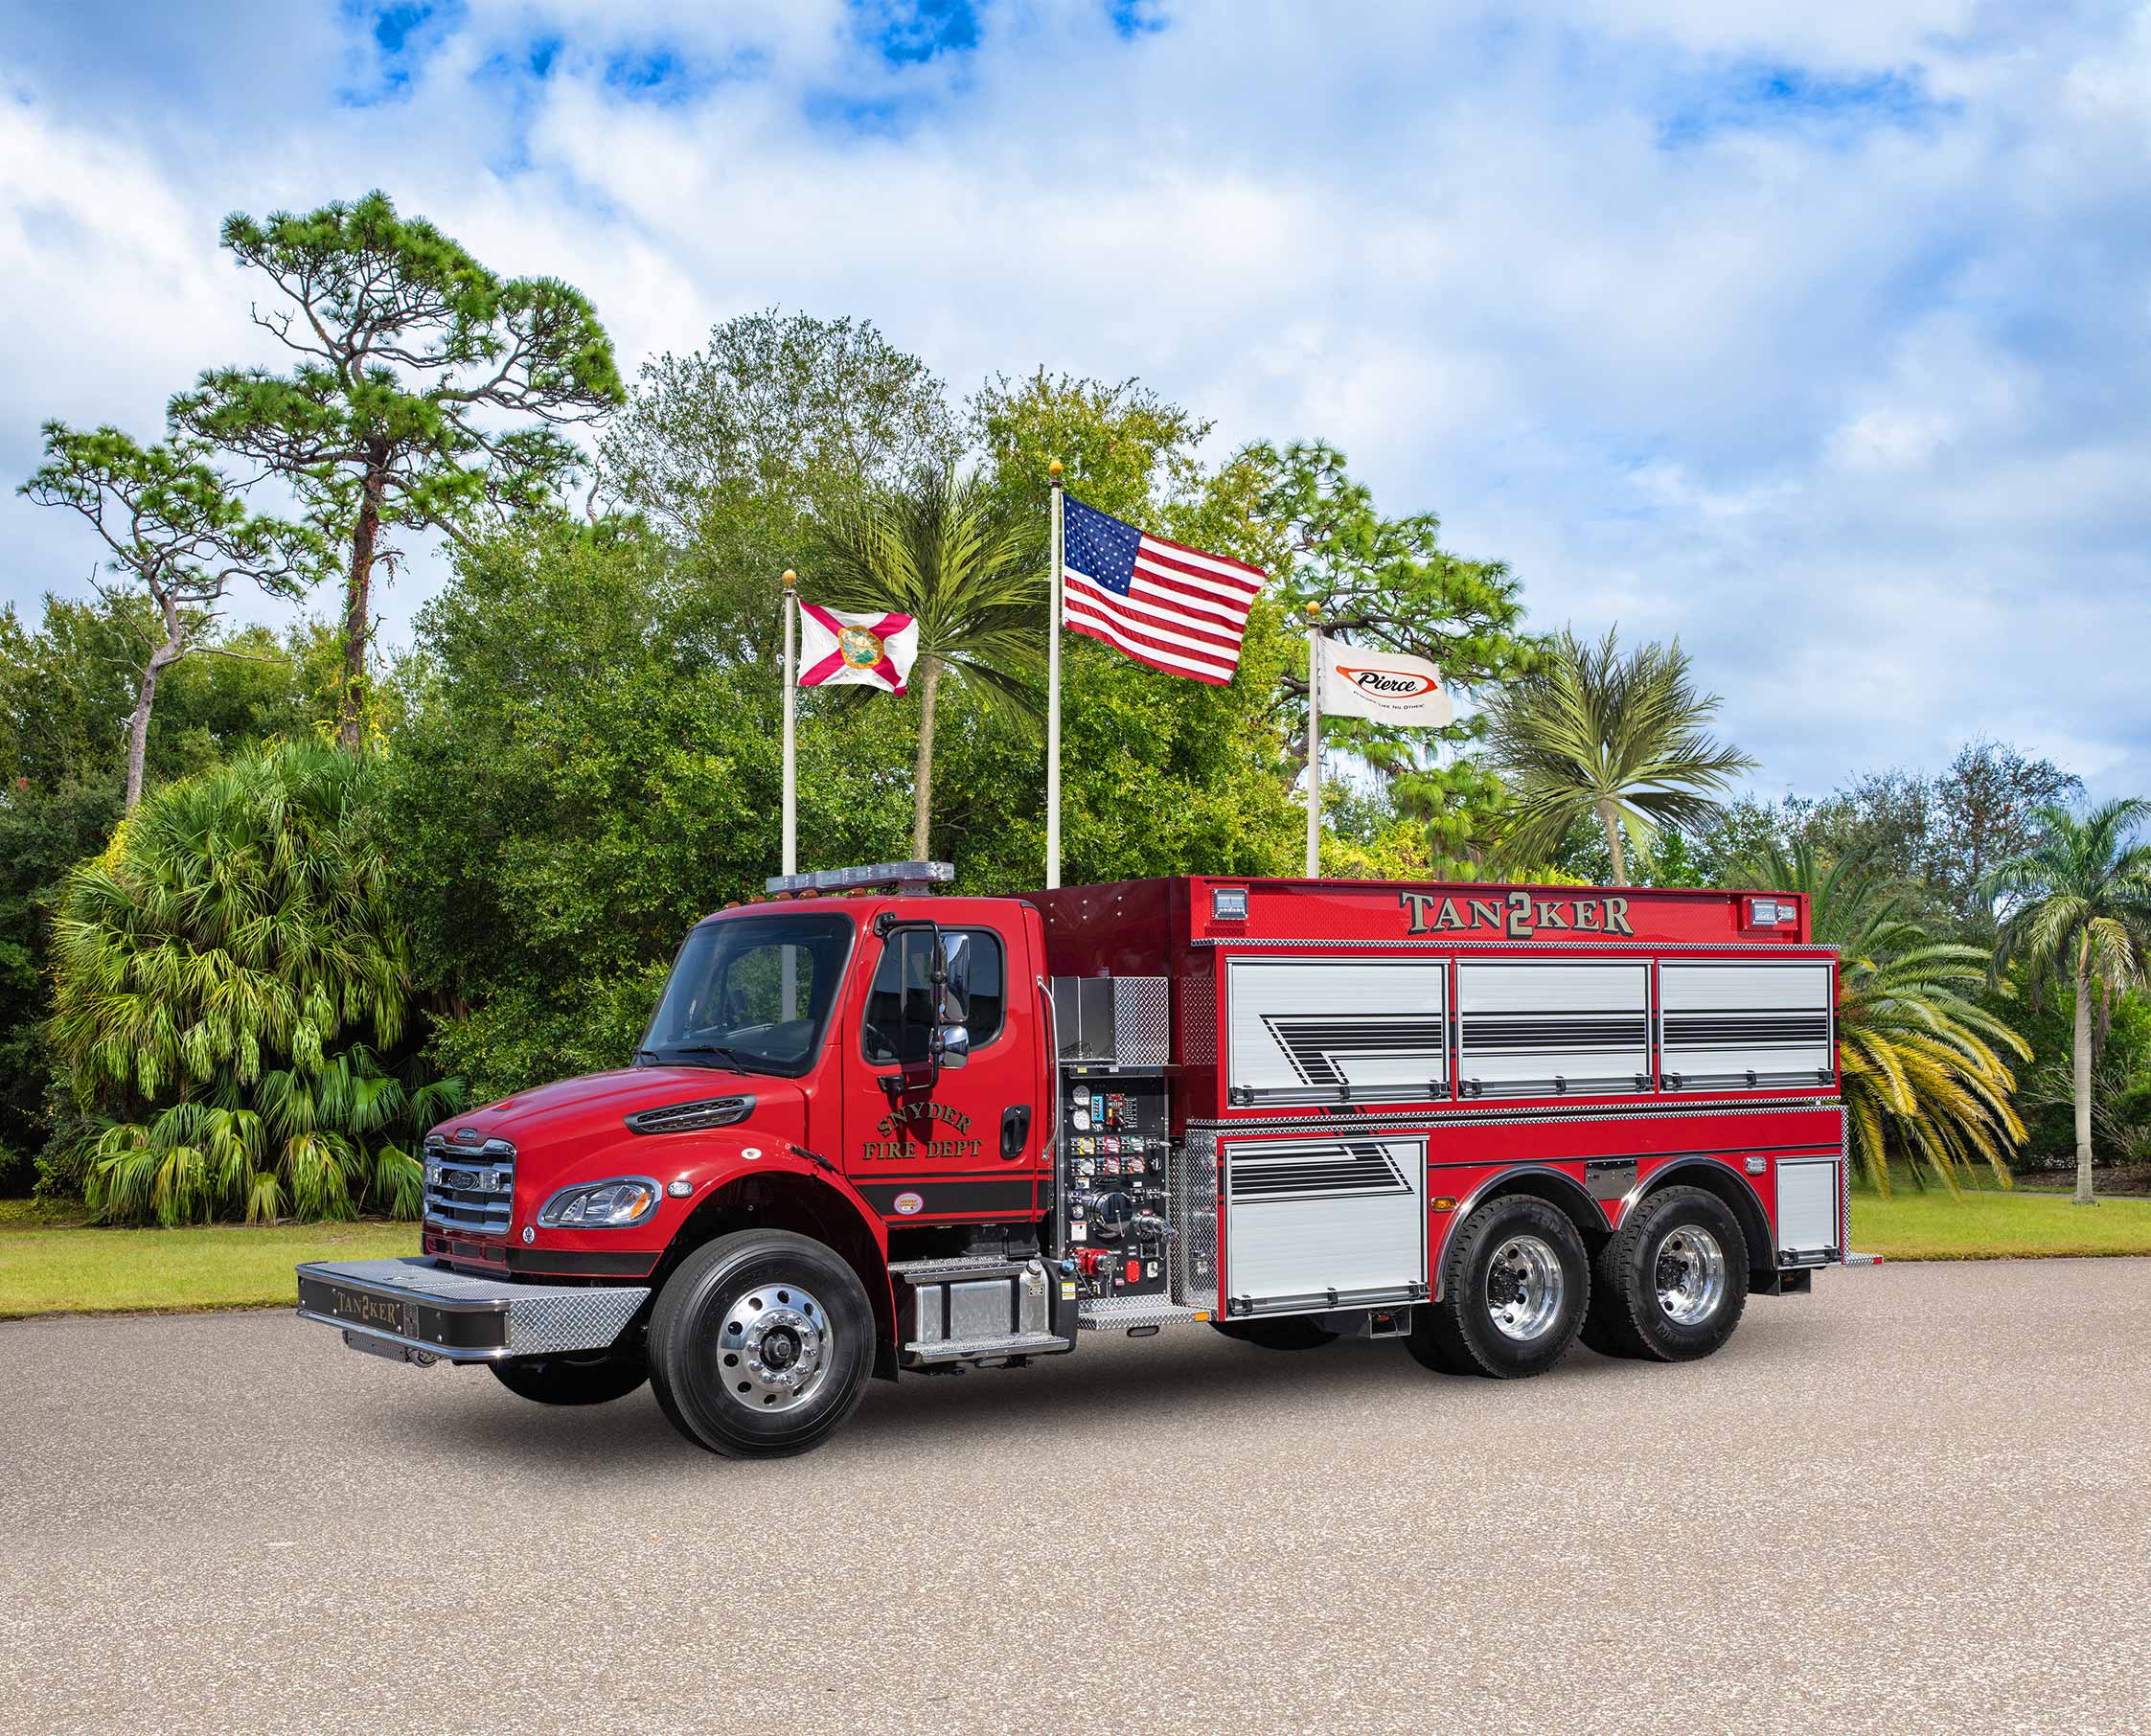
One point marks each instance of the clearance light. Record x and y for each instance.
(920, 875)
(1445, 1204)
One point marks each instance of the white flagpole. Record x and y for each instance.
(790, 708)
(1314, 741)
(788, 989)
(1053, 696)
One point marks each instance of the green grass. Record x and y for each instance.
(51, 1262)
(52, 1265)
(1989, 1225)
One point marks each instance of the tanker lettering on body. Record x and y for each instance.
(1517, 915)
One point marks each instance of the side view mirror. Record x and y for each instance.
(952, 1046)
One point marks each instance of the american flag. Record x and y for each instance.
(1164, 604)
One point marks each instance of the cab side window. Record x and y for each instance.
(976, 985)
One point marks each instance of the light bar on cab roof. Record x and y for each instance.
(921, 875)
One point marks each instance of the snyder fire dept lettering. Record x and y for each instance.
(1517, 915)
(897, 1141)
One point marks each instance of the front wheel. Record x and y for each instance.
(588, 1378)
(1672, 1280)
(1516, 1281)
(761, 1344)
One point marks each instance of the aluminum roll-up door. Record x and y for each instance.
(1735, 1023)
(1324, 1221)
(1309, 1031)
(1528, 1028)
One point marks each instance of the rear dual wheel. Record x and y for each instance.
(1516, 1286)
(1672, 1281)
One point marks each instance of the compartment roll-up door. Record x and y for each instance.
(1737, 1023)
(1309, 1217)
(1309, 1031)
(1528, 1028)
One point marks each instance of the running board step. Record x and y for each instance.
(1115, 1313)
(964, 1350)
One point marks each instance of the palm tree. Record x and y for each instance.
(2079, 908)
(1622, 738)
(1918, 1056)
(215, 972)
(944, 551)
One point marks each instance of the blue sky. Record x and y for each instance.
(1817, 335)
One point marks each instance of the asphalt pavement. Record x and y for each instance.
(1918, 1500)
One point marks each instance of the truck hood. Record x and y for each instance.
(591, 1108)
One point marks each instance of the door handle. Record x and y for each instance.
(1016, 1130)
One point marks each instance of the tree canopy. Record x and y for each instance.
(426, 389)
(173, 527)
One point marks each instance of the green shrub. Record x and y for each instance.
(229, 976)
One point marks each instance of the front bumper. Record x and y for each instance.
(418, 1311)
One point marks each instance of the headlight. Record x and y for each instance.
(601, 1204)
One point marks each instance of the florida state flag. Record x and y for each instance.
(840, 648)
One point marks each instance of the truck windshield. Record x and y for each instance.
(751, 991)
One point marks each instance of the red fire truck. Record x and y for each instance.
(875, 1130)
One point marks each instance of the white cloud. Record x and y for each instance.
(1814, 335)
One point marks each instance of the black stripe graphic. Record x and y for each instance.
(1320, 1044)
(1303, 1170)
(950, 1198)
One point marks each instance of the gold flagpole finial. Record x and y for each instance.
(1053, 468)
(1314, 611)
(790, 578)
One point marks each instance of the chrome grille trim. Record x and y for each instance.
(470, 1188)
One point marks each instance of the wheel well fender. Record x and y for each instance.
(1556, 1187)
(796, 1200)
(1715, 1177)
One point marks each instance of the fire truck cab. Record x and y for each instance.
(877, 1131)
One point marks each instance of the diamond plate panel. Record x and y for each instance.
(1198, 1018)
(576, 1319)
(1194, 1213)
(1142, 1021)
(1116, 1314)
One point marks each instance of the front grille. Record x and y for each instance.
(470, 1187)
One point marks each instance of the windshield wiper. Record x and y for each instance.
(731, 1055)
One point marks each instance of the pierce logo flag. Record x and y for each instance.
(1385, 686)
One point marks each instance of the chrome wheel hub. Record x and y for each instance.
(1690, 1275)
(773, 1350)
(1523, 1289)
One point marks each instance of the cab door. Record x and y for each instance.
(956, 1140)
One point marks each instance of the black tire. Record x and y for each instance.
(1672, 1281)
(1296, 1332)
(707, 1317)
(1539, 1251)
(595, 1377)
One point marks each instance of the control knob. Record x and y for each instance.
(1108, 1209)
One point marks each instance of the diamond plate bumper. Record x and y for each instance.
(425, 1312)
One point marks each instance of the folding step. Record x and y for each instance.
(962, 1266)
(1009, 1344)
